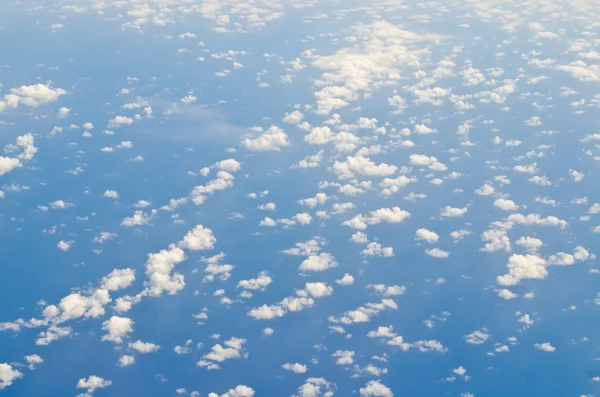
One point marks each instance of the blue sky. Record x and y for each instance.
(269, 198)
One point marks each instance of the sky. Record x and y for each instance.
(302, 198)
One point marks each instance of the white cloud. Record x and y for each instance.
(546, 347)
(118, 279)
(111, 194)
(347, 279)
(451, 212)
(259, 283)
(199, 238)
(31, 95)
(239, 391)
(507, 294)
(271, 140)
(376, 389)
(506, 205)
(117, 328)
(318, 263)
(63, 112)
(427, 235)
(126, 360)
(344, 357)
(315, 387)
(143, 347)
(92, 383)
(376, 249)
(118, 121)
(523, 267)
(437, 253)
(139, 218)
(295, 367)
(477, 337)
(7, 375)
(64, 245)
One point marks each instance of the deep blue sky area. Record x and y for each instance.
(299, 198)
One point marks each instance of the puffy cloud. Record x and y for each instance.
(64, 245)
(233, 349)
(318, 263)
(117, 328)
(383, 50)
(451, 212)
(143, 347)
(92, 383)
(32, 360)
(271, 140)
(111, 194)
(531, 244)
(506, 294)
(318, 290)
(308, 248)
(118, 279)
(506, 205)
(496, 240)
(477, 337)
(485, 190)
(199, 238)
(376, 249)
(537, 219)
(310, 161)
(139, 218)
(259, 283)
(545, 347)
(229, 165)
(32, 95)
(376, 389)
(319, 199)
(523, 267)
(126, 360)
(437, 253)
(7, 375)
(239, 391)
(427, 236)
(118, 121)
(159, 267)
(295, 367)
(315, 387)
(362, 166)
(266, 312)
(344, 357)
(388, 290)
(53, 333)
(346, 280)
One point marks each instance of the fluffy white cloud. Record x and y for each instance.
(117, 328)
(427, 235)
(239, 391)
(545, 347)
(506, 205)
(118, 279)
(523, 267)
(143, 347)
(111, 194)
(346, 280)
(376, 389)
(295, 367)
(451, 212)
(199, 238)
(92, 383)
(7, 375)
(318, 263)
(271, 140)
(126, 360)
